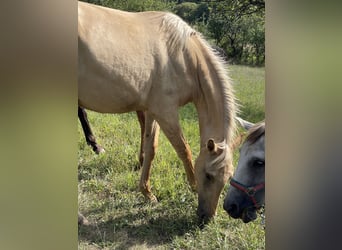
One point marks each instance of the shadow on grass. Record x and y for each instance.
(143, 227)
(102, 165)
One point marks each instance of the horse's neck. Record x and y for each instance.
(211, 117)
(215, 103)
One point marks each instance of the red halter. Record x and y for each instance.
(250, 191)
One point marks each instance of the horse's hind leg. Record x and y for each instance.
(150, 146)
(141, 119)
(90, 138)
(172, 129)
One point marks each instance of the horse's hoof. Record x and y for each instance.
(137, 167)
(82, 220)
(99, 150)
(152, 198)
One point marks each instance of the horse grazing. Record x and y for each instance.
(155, 62)
(247, 188)
(91, 140)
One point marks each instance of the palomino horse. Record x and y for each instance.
(155, 62)
(247, 188)
(91, 140)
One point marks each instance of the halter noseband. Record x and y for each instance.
(250, 191)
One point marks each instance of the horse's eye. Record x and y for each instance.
(258, 163)
(209, 177)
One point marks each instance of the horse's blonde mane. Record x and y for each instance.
(230, 107)
(176, 31)
(229, 101)
(221, 159)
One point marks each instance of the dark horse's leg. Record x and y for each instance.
(90, 138)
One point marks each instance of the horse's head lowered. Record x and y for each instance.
(247, 188)
(213, 168)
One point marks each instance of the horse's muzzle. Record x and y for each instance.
(232, 209)
(249, 214)
(203, 216)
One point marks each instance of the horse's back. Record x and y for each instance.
(117, 57)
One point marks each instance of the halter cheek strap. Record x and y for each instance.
(249, 190)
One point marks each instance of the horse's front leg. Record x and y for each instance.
(141, 119)
(150, 146)
(169, 123)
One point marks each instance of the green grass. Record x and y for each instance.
(249, 85)
(120, 216)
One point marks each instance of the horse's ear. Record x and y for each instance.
(245, 124)
(211, 146)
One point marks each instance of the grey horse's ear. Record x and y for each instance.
(245, 124)
(211, 146)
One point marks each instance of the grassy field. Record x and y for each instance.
(120, 216)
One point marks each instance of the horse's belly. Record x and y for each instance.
(105, 96)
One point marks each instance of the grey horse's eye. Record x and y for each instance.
(258, 163)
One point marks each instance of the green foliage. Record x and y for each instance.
(238, 27)
(135, 5)
(191, 12)
(123, 219)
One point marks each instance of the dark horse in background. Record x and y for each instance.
(91, 140)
